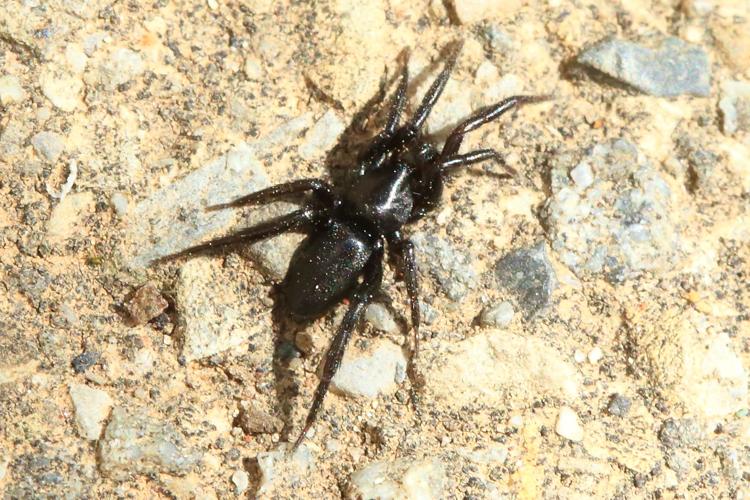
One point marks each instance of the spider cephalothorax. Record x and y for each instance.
(398, 179)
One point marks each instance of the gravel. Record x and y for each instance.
(619, 225)
(453, 270)
(528, 275)
(145, 304)
(399, 479)
(619, 405)
(568, 425)
(498, 316)
(672, 68)
(48, 145)
(735, 107)
(92, 408)
(368, 374)
(254, 420)
(135, 443)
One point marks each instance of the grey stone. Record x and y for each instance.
(155, 230)
(322, 136)
(499, 316)
(528, 275)
(280, 467)
(134, 443)
(380, 318)
(120, 204)
(619, 405)
(453, 270)
(92, 408)
(48, 145)
(671, 69)
(399, 479)
(85, 360)
(680, 433)
(735, 107)
(622, 224)
(379, 370)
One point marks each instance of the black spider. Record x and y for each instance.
(398, 180)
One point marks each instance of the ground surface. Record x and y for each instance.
(587, 331)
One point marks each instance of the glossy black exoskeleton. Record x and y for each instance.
(398, 179)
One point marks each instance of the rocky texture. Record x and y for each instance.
(135, 443)
(568, 425)
(672, 68)
(254, 420)
(399, 479)
(48, 145)
(498, 316)
(452, 268)
(144, 304)
(280, 468)
(528, 275)
(611, 214)
(380, 318)
(322, 136)
(735, 106)
(379, 370)
(491, 365)
(92, 409)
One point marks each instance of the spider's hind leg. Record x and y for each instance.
(373, 276)
(320, 189)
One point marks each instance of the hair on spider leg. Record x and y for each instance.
(352, 225)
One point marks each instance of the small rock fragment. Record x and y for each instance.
(735, 107)
(379, 371)
(279, 467)
(619, 405)
(92, 408)
(253, 420)
(85, 360)
(399, 479)
(680, 433)
(322, 136)
(11, 91)
(49, 145)
(453, 270)
(595, 355)
(145, 304)
(380, 318)
(568, 425)
(528, 275)
(122, 66)
(134, 443)
(498, 316)
(62, 89)
(674, 68)
(241, 480)
(120, 204)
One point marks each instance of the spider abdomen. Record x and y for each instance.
(324, 269)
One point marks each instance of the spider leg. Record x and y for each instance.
(436, 89)
(483, 116)
(268, 229)
(373, 275)
(452, 163)
(322, 190)
(404, 248)
(399, 100)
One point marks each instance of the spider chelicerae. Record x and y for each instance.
(397, 180)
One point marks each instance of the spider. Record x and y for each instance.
(397, 180)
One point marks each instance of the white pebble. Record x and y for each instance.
(595, 355)
(11, 90)
(241, 481)
(582, 175)
(92, 408)
(516, 421)
(579, 356)
(568, 426)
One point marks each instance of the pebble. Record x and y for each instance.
(489, 365)
(120, 203)
(674, 68)
(498, 316)
(135, 443)
(619, 405)
(735, 107)
(622, 224)
(595, 355)
(119, 68)
(11, 91)
(278, 468)
(254, 420)
(399, 479)
(528, 275)
(473, 11)
(145, 304)
(381, 318)
(568, 426)
(453, 270)
(85, 360)
(92, 408)
(680, 433)
(379, 370)
(322, 136)
(241, 480)
(62, 89)
(48, 145)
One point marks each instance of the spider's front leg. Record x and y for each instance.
(404, 250)
(363, 294)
